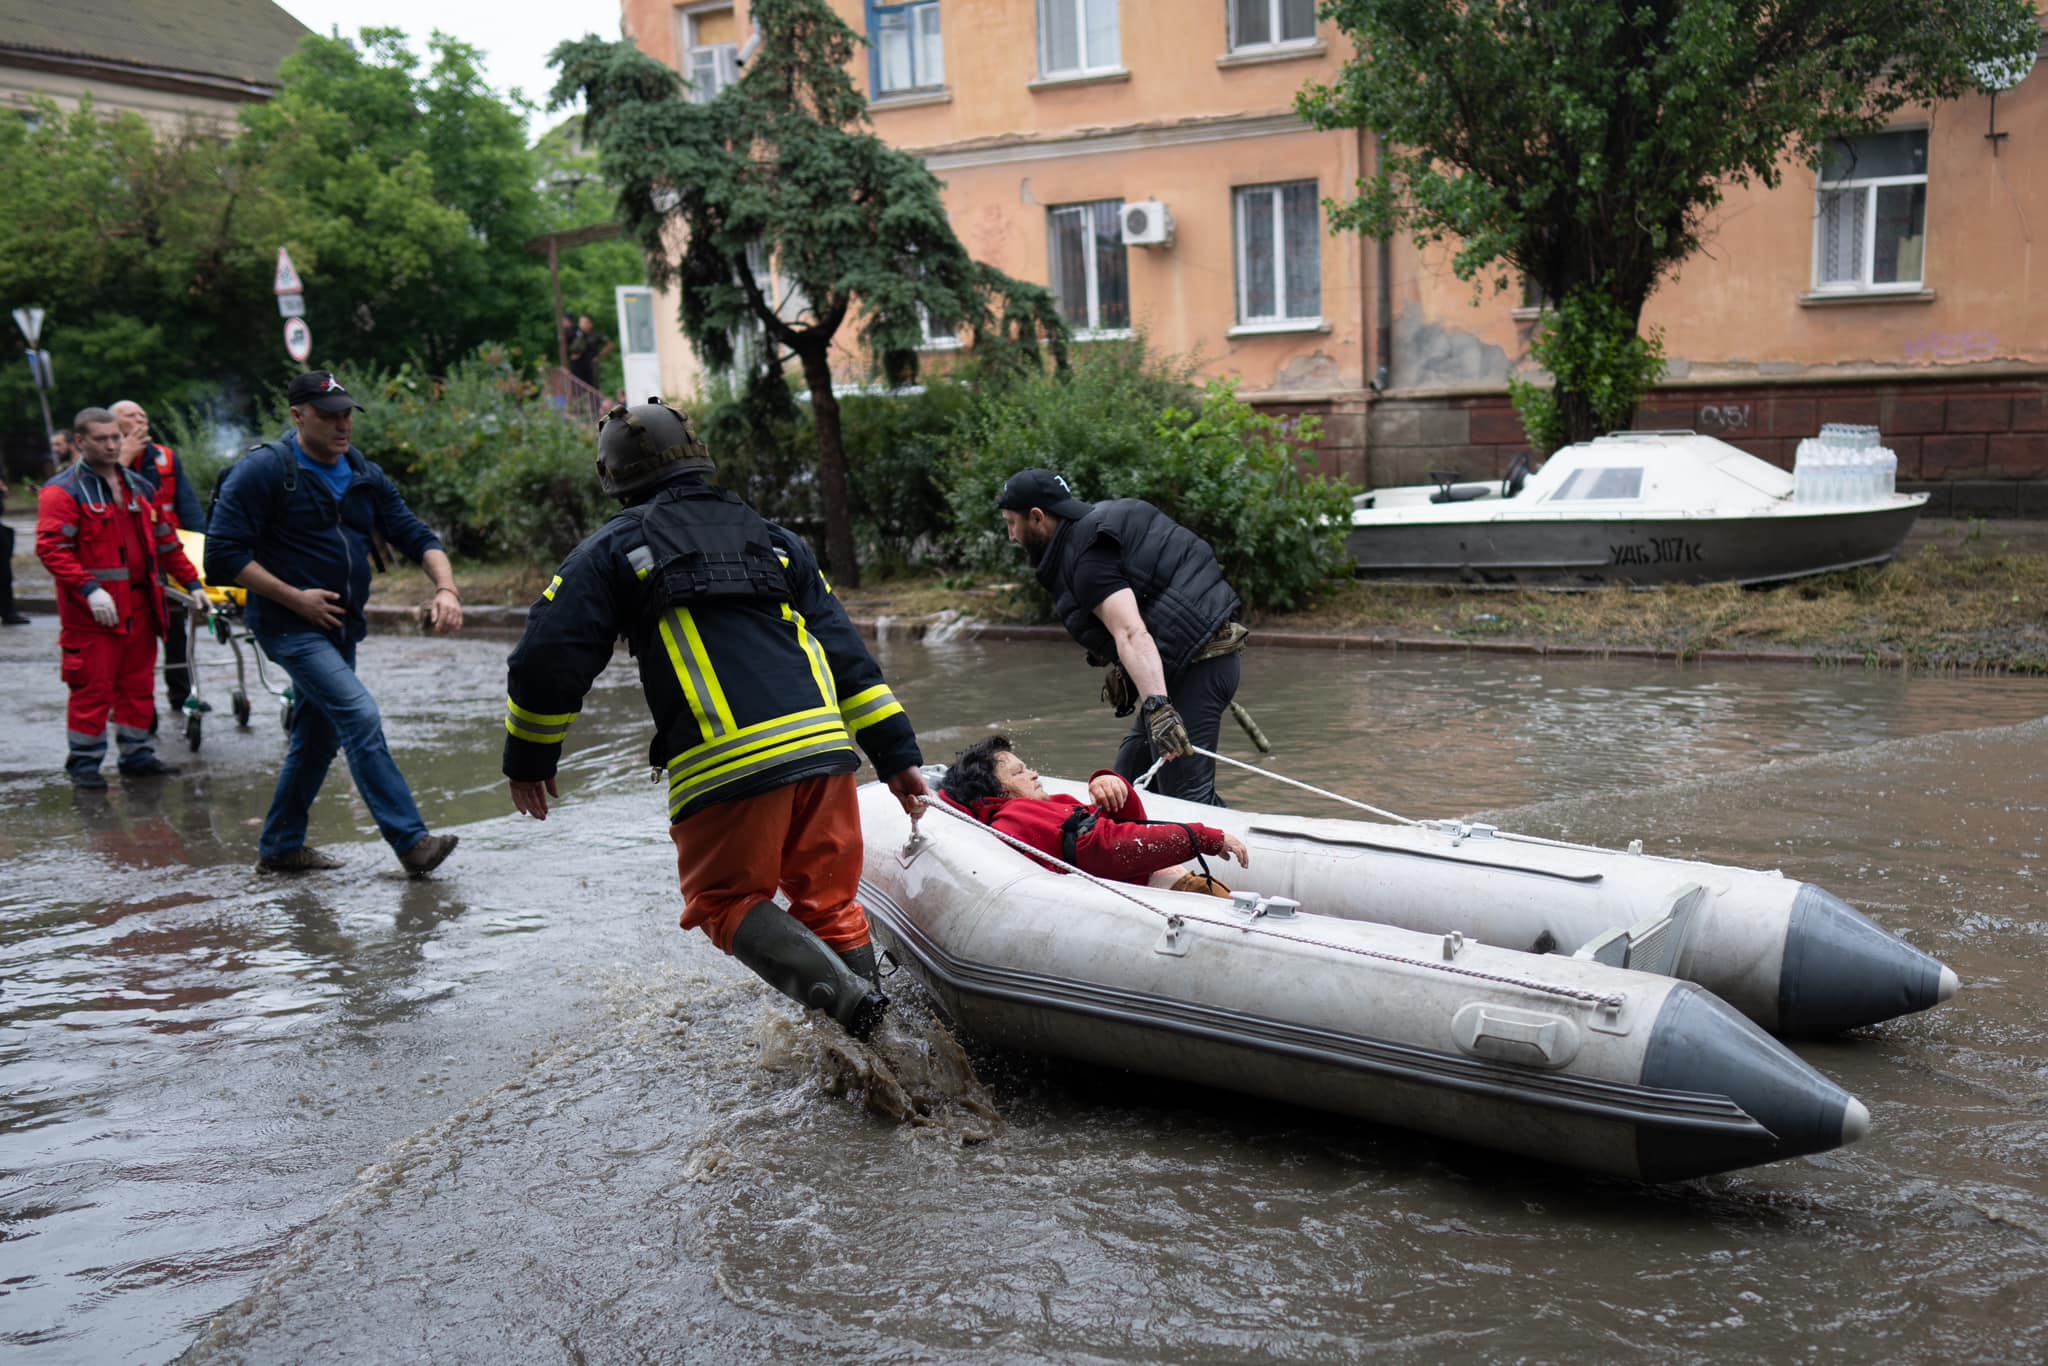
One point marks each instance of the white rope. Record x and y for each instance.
(1306, 787)
(1174, 918)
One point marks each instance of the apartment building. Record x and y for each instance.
(1143, 159)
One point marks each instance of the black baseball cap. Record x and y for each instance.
(1028, 489)
(318, 389)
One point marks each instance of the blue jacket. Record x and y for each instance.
(272, 510)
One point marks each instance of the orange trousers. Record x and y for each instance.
(803, 839)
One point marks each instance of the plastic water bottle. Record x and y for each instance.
(1802, 471)
(1888, 471)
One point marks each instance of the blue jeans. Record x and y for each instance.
(336, 712)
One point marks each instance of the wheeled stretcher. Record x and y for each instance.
(227, 627)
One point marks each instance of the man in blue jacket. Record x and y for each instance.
(293, 523)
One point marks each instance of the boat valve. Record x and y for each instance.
(1453, 943)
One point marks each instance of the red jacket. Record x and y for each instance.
(163, 472)
(1123, 846)
(90, 535)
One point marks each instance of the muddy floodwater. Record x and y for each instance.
(513, 1114)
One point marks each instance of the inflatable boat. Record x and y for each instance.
(1561, 1058)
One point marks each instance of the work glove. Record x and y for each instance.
(103, 610)
(201, 608)
(1169, 733)
(1119, 691)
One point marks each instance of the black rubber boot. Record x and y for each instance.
(784, 953)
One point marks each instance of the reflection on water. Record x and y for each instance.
(546, 1086)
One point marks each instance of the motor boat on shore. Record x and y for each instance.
(1643, 508)
(1576, 1056)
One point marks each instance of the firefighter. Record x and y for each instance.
(760, 689)
(98, 534)
(177, 503)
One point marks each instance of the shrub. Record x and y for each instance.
(1125, 426)
(897, 450)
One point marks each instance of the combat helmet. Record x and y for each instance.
(644, 445)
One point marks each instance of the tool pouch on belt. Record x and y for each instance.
(1227, 641)
(1119, 691)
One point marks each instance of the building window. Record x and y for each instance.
(905, 52)
(1279, 253)
(1076, 37)
(935, 337)
(1090, 278)
(1259, 24)
(709, 39)
(1870, 219)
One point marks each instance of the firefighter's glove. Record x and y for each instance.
(1169, 733)
(103, 610)
(1118, 690)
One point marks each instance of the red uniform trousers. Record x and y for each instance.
(109, 673)
(803, 838)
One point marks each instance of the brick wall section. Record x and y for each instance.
(1944, 431)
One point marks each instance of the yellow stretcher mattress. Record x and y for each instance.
(195, 551)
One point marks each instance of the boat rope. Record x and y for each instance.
(1306, 787)
(1174, 919)
(1508, 835)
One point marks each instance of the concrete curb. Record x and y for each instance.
(488, 617)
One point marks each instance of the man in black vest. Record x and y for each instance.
(1145, 596)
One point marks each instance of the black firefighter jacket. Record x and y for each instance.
(746, 695)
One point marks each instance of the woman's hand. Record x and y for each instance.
(1109, 792)
(1233, 847)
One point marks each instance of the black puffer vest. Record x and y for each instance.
(1181, 591)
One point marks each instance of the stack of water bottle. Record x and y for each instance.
(1844, 464)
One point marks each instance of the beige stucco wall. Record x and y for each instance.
(166, 111)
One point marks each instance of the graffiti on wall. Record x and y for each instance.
(1953, 346)
(1726, 417)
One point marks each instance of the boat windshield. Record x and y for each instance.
(1596, 484)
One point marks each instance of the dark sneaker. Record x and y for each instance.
(13, 619)
(304, 859)
(425, 856)
(149, 766)
(88, 779)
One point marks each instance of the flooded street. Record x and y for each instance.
(513, 1113)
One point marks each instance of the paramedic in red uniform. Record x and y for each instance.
(98, 533)
(177, 502)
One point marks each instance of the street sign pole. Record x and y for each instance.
(30, 321)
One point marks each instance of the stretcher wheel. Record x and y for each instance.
(192, 729)
(241, 702)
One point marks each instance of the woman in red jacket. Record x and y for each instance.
(1110, 838)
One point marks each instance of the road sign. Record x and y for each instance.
(30, 321)
(39, 368)
(298, 339)
(287, 280)
(291, 305)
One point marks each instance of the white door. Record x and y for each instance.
(637, 353)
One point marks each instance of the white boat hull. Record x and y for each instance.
(1566, 1060)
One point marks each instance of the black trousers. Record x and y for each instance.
(6, 567)
(1201, 695)
(177, 668)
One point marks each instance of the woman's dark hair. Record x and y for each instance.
(973, 773)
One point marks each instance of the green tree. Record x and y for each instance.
(782, 164)
(1582, 143)
(412, 194)
(144, 251)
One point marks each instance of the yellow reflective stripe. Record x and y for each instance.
(713, 751)
(560, 718)
(867, 707)
(549, 591)
(538, 739)
(714, 694)
(706, 723)
(865, 696)
(816, 742)
(882, 714)
(821, 671)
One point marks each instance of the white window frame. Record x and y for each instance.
(930, 340)
(1092, 63)
(1094, 331)
(1868, 187)
(1273, 19)
(1281, 321)
(915, 13)
(723, 59)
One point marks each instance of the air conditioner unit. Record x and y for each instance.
(1147, 223)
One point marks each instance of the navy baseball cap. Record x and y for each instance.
(318, 389)
(1028, 489)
